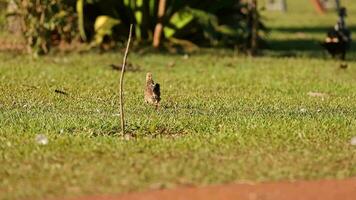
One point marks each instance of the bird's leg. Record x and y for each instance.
(343, 55)
(157, 106)
(343, 65)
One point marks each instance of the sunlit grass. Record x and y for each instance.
(224, 118)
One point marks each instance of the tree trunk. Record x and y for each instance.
(13, 19)
(254, 28)
(318, 6)
(159, 26)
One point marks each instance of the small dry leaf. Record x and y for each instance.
(302, 35)
(317, 94)
(171, 64)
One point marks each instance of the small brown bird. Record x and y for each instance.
(152, 91)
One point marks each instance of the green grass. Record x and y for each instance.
(224, 118)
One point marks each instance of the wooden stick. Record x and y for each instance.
(122, 117)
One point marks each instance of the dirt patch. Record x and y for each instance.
(14, 46)
(300, 190)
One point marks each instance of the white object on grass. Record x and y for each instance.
(41, 139)
(303, 110)
(353, 141)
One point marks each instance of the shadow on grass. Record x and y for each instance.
(309, 45)
(317, 29)
(304, 47)
(131, 131)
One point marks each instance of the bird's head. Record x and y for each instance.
(149, 77)
(342, 12)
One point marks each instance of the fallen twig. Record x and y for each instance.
(60, 92)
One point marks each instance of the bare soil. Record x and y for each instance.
(14, 46)
(299, 190)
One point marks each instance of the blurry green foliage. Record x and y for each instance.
(47, 23)
(103, 26)
(217, 23)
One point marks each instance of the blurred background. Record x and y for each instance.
(289, 27)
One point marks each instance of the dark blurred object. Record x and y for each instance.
(129, 67)
(254, 40)
(343, 66)
(338, 39)
(60, 92)
(254, 23)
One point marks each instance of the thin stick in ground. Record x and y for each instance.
(122, 117)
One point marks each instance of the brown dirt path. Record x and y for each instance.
(300, 190)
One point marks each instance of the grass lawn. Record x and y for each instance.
(224, 118)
